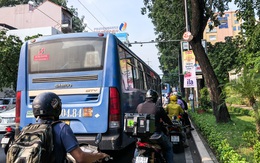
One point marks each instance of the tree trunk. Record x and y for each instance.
(218, 103)
(198, 23)
(257, 119)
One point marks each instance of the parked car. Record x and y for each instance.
(7, 103)
(7, 118)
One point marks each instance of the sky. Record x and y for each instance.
(108, 13)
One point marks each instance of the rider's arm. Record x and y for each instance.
(84, 157)
(70, 143)
(181, 110)
(164, 116)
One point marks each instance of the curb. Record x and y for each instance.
(203, 152)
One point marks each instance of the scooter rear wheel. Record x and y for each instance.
(178, 148)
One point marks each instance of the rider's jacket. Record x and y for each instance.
(173, 109)
(150, 107)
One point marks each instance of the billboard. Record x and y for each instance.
(122, 36)
(185, 46)
(189, 69)
(112, 29)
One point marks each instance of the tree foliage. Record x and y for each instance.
(249, 42)
(78, 24)
(249, 57)
(168, 27)
(223, 57)
(10, 45)
(248, 87)
(9, 56)
(168, 15)
(250, 53)
(9, 3)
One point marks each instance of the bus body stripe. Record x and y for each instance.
(67, 91)
(62, 79)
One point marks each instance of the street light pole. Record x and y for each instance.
(191, 96)
(186, 16)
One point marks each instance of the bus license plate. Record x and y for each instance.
(5, 140)
(141, 159)
(175, 138)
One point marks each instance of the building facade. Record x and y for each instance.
(24, 20)
(47, 14)
(229, 26)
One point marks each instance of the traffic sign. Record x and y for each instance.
(187, 36)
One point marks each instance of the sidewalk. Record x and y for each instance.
(205, 153)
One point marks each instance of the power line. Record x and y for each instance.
(35, 7)
(89, 28)
(101, 13)
(91, 13)
(152, 42)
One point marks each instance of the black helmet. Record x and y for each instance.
(152, 94)
(46, 104)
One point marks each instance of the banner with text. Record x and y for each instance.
(189, 69)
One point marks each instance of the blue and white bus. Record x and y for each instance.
(166, 88)
(97, 78)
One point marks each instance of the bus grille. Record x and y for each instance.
(64, 79)
(87, 98)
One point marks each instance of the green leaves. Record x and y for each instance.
(9, 56)
(223, 58)
(168, 19)
(78, 24)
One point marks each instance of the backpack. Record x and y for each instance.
(34, 144)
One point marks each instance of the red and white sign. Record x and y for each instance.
(41, 56)
(187, 36)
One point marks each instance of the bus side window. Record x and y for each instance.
(92, 59)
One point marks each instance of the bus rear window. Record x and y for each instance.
(65, 55)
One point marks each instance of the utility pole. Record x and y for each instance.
(186, 16)
(191, 96)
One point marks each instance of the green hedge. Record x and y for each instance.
(223, 151)
(241, 111)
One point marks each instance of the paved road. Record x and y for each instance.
(190, 155)
(2, 154)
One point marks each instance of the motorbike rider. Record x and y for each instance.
(174, 109)
(166, 100)
(47, 107)
(185, 108)
(150, 107)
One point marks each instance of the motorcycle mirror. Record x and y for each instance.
(98, 138)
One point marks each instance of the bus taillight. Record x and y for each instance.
(114, 108)
(18, 107)
(100, 34)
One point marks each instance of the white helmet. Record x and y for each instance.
(175, 93)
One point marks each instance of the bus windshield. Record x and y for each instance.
(65, 55)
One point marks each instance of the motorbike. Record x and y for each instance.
(8, 138)
(148, 151)
(89, 149)
(177, 135)
(186, 127)
(141, 126)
